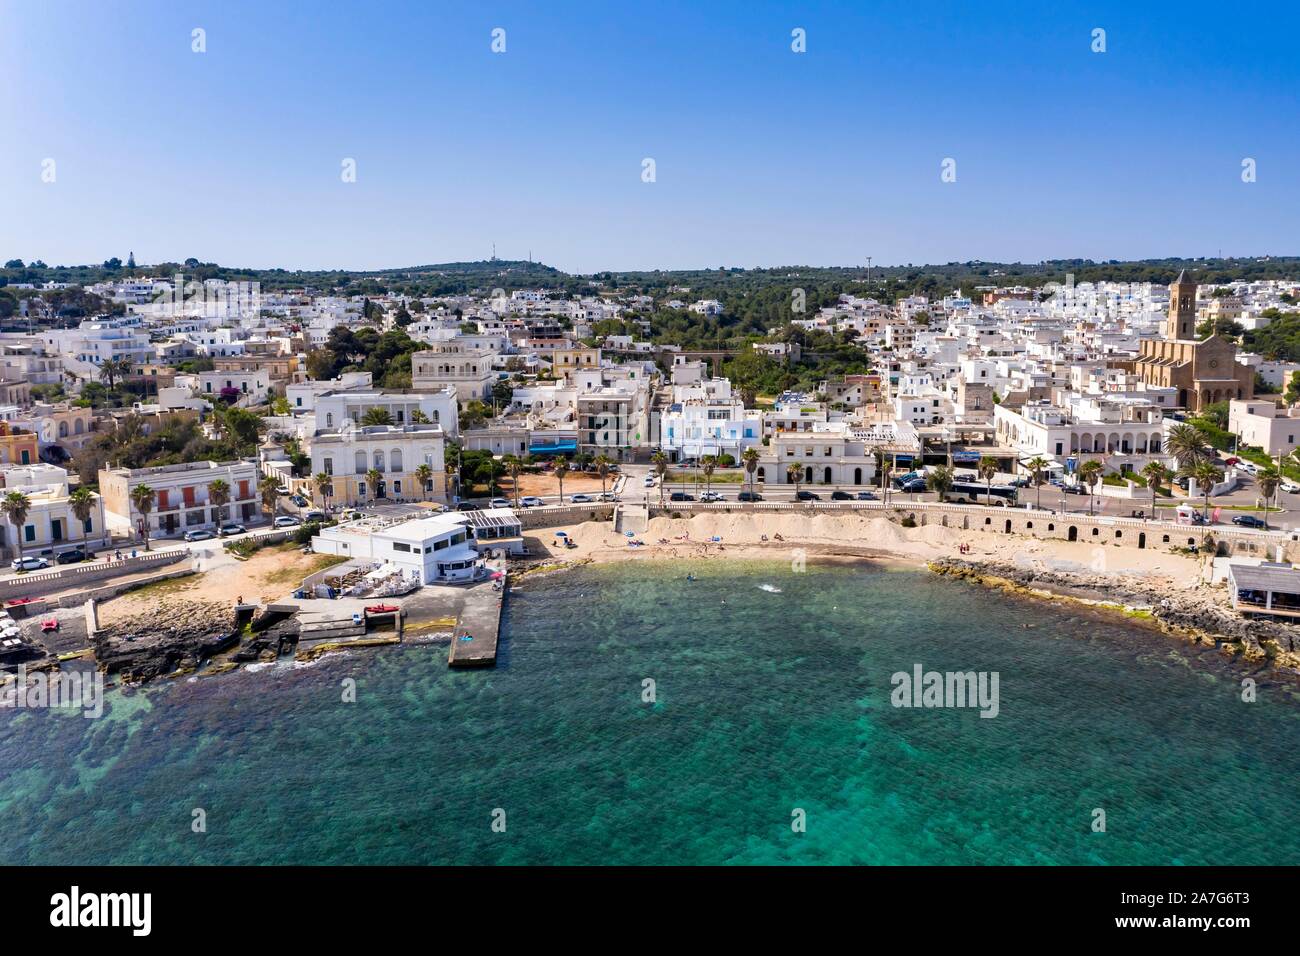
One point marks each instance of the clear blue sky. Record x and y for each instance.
(764, 156)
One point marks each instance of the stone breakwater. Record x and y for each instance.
(1201, 615)
(172, 637)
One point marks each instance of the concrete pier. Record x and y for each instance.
(474, 641)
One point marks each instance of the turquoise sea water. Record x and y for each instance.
(765, 702)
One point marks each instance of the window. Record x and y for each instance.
(399, 546)
(29, 532)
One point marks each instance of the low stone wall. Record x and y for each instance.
(1099, 529)
(549, 516)
(47, 582)
(113, 590)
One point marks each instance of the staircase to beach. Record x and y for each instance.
(634, 518)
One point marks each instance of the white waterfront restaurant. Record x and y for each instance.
(435, 549)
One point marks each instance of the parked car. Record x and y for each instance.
(286, 521)
(841, 496)
(807, 496)
(199, 535)
(581, 499)
(72, 556)
(712, 496)
(681, 496)
(1290, 487)
(1247, 521)
(29, 564)
(749, 496)
(282, 491)
(500, 502)
(1249, 467)
(915, 486)
(649, 481)
(300, 501)
(609, 496)
(865, 496)
(1074, 489)
(531, 501)
(229, 528)
(314, 516)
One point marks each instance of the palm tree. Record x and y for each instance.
(707, 464)
(16, 507)
(1156, 475)
(940, 480)
(795, 474)
(1037, 466)
(1090, 473)
(143, 497)
(1207, 476)
(1187, 445)
(267, 489)
(377, 416)
(602, 469)
(513, 467)
(419, 418)
(661, 469)
(325, 486)
(110, 370)
(561, 469)
(986, 469)
(1268, 479)
(424, 475)
(219, 495)
(373, 477)
(750, 457)
(82, 505)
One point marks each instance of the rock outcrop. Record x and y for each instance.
(173, 635)
(1201, 614)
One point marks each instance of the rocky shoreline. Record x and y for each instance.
(166, 641)
(1201, 615)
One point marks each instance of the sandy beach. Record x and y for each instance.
(776, 535)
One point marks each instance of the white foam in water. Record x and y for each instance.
(769, 588)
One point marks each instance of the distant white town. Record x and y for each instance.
(1112, 402)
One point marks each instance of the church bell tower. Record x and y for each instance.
(1181, 324)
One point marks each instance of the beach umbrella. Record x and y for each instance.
(561, 534)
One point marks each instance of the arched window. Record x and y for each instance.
(78, 426)
(379, 461)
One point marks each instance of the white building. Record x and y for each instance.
(253, 385)
(431, 550)
(469, 371)
(349, 454)
(51, 526)
(435, 407)
(1262, 424)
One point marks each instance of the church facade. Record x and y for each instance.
(1203, 372)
